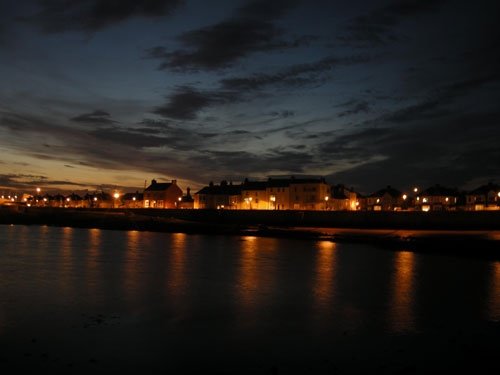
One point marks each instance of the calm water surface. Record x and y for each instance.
(95, 301)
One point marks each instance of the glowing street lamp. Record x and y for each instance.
(272, 198)
(405, 196)
(415, 190)
(326, 201)
(116, 196)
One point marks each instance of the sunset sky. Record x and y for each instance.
(98, 94)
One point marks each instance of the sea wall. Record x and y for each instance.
(460, 220)
(446, 220)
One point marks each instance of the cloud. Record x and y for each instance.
(98, 117)
(28, 181)
(248, 163)
(57, 16)
(251, 29)
(297, 75)
(186, 102)
(450, 149)
(355, 107)
(376, 27)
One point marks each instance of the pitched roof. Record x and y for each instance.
(485, 189)
(221, 190)
(158, 186)
(394, 193)
(438, 190)
(254, 185)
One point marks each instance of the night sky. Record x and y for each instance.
(101, 93)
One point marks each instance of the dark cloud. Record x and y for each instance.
(452, 149)
(283, 114)
(296, 75)
(438, 103)
(30, 182)
(98, 117)
(355, 107)
(377, 26)
(186, 102)
(130, 138)
(55, 16)
(251, 29)
(248, 163)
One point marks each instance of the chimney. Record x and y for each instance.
(188, 194)
(153, 182)
(174, 182)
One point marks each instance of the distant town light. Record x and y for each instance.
(415, 189)
(45, 199)
(424, 200)
(116, 195)
(38, 190)
(446, 199)
(95, 199)
(68, 199)
(179, 199)
(133, 198)
(405, 196)
(378, 200)
(326, 198)
(498, 194)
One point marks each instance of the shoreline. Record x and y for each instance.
(473, 242)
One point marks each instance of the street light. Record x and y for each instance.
(116, 196)
(326, 201)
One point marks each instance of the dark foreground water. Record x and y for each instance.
(96, 301)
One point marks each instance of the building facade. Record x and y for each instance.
(162, 195)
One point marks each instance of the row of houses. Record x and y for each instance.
(316, 194)
(288, 193)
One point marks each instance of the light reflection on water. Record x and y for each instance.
(402, 304)
(324, 284)
(494, 300)
(177, 280)
(264, 292)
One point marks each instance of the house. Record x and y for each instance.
(387, 199)
(437, 198)
(309, 193)
(132, 200)
(162, 195)
(485, 197)
(254, 195)
(278, 191)
(73, 201)
(187, 201)
(299, 193)
(223, 196)
(342, 199)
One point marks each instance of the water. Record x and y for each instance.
(95, 301)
